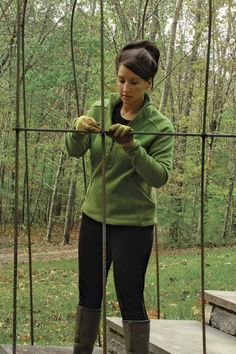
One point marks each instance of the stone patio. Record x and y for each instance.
(174, 337)
(7, 349)
(170, 336)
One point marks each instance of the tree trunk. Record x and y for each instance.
(70, 204)
(123, 20)
(2, 175)
(155, 28)
(170, 56)
(39, 193)
(229, 205)
(54, 195)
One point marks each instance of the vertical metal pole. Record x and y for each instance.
(202, 242)
(144, 19)
(103, 137)
(203, 156)
(27, 175)
(16, 216)
(157, 273)
(75, 82)
(73, 56)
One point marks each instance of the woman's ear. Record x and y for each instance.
(149, 84)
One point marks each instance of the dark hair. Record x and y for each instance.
(141, 57)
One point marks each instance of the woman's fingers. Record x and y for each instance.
(122, 134)
(119, 130)
(87, 124)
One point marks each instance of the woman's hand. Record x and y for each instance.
(87, 124)
(122, 134)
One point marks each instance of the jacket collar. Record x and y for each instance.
(115, 99)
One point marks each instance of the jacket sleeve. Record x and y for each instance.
(155, 165)
(77, 144)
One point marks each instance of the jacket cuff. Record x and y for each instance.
(132, 148)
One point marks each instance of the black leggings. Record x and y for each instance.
(129, 248)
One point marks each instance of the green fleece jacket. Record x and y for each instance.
(130, 174)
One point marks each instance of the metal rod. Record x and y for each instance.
(157, 273)
(203, 155)
(27, 178)
(61, 130)
(103, 142)
(73, 56)
(16, 214)
(144, 18)
(75, 83)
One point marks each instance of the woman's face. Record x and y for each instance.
(131, 87)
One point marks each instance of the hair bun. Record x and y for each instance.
(150, 47)
(141, 57)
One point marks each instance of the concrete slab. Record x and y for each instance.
(7, 349)
(225, 299)
(178, 337)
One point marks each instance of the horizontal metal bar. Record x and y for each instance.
(51, 130)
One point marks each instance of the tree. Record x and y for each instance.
(170, 56)
(54, 195)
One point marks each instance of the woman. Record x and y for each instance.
(134, 164)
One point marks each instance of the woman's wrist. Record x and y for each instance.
(129, 145)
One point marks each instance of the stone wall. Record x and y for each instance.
(224, 320)
(115, 342)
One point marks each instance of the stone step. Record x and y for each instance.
(224, 299)
(174, 337)
(27, 349)
(220, 310)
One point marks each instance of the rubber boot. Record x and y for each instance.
(86, 330)
(136, 335)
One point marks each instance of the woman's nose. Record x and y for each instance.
(126, 87)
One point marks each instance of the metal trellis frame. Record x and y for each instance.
(203, 135)
(16, 219)
(27, 179)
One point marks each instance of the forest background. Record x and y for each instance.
(56, 186)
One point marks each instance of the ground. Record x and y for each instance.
(44, 250)
(41, 249)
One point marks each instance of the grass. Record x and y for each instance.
(55, 293)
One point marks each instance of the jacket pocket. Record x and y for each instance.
(142, 187)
